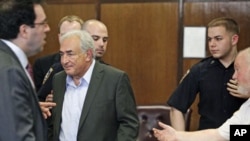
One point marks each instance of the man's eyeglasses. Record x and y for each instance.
(44, 23)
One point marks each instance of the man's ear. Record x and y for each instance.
(24, 31)
(235, 39)
(89, 55)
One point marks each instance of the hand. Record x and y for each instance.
(45, 107)
(166, 134)
(233, 89)
(49, 97)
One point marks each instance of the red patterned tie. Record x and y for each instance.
(30, 71)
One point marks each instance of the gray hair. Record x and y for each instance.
(87, 43)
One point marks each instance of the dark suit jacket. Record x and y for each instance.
(20, 115)
(109, 110)
(41, 66)
(46, 87)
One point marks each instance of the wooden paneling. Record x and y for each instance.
(144, 1)
(144, 37)
(54, 13)
(201, 13)
(143, 42)
(70, 1)
(135, 1)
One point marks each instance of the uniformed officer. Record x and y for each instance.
(209, 79)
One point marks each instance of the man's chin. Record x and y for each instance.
(68, 72)
(216, 56)
(98, 56)
(34, 52)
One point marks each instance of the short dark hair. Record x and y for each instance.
(13, 14)
(230, 24)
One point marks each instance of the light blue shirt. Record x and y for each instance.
(72, 105)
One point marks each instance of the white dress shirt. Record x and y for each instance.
(72, 105)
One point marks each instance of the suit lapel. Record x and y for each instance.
(7, 50)
(92, 91)
(59, 86)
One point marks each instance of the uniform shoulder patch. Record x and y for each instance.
(184, 75)
(47, 75)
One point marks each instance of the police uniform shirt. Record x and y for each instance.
(47, 81)
(208, 78)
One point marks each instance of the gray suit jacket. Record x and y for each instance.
(20, 115)
(109, 111)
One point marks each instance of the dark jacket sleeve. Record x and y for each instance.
(47, 82)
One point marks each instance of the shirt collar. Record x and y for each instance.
(88, 74)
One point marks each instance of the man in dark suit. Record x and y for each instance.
(95, 102)
(23, 29)
(98, 32)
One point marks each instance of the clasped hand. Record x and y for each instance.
(47, 106)
(233, 88)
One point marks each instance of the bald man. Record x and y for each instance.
(99, 33)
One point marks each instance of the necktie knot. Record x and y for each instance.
(30, 70)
